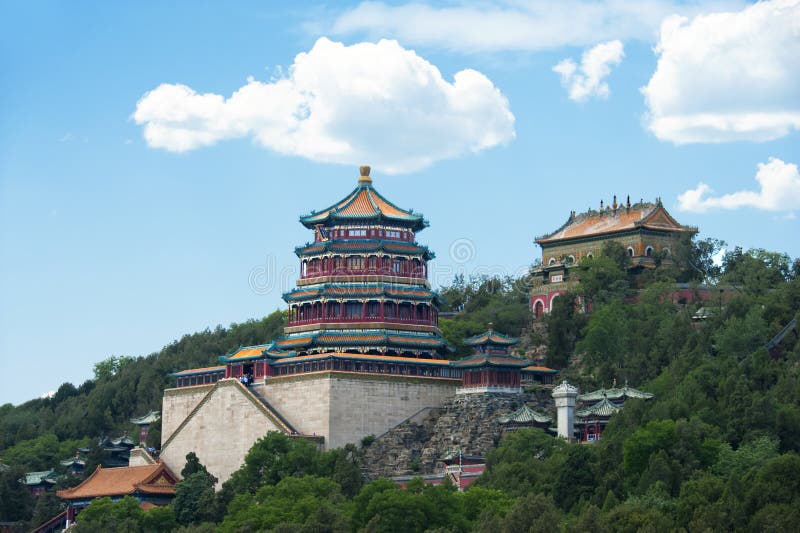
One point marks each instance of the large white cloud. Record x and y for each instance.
(588, 79)
(366, 103)
(727, 76)
(517, 24)
(779, 184)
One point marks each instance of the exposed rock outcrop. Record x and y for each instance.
(468, 423)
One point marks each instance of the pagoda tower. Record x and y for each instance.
(363, 285)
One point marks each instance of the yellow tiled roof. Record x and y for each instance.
(156, 479)
(623, 219)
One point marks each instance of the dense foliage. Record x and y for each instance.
(35, 435)
(480, 301)
(718, 448)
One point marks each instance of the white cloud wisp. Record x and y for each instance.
(526, 25)
(780, 191)
(731, 76)
(588, 79)
(369, 102)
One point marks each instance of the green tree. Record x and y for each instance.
(104, 515)
(16, 502)
(159, 519)
(193, 465)
(605, 341)
(656, 435)
(602, 280)
(534, 513)
(194, 498)
(564, 323)
(294, 500)
(47, 506)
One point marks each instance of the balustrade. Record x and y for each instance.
(367, 311)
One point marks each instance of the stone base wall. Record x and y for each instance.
(176, 406)
(221, 422)
(140, 457)
(221, 428)
(345, 407)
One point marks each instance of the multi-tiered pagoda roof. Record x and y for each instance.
(365, 206)
(363, 284)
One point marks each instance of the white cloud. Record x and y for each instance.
(517, 24)
(365, 103)
(779, 184)
(727, 76)
(588, 79)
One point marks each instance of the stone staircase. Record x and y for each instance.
(253, 390)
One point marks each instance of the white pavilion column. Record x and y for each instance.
(565, 396)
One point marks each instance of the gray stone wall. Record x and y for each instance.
(176, 406)
(345, 407)
(220, 432)
(221, 422)
(364, 407)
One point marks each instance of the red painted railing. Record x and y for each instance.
(402, 273)
(340, 319)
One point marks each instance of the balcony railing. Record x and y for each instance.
(401, 273)
(369, 318)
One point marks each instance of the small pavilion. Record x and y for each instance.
(491, 368)
(590, 421)
(144, 424)
(40, 482)
(525, 417)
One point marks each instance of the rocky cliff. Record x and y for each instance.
(469, 423)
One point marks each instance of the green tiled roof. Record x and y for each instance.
(361, 338)
(491, 337)
(150, 418)
(620, 393)
(478, 360)
(603, 408)
(525, 415)
(37, 478)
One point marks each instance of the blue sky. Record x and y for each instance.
(120, 231)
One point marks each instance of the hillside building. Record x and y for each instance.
(646, 230)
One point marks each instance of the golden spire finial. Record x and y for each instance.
(364, 179)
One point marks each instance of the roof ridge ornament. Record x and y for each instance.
(364, 178)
